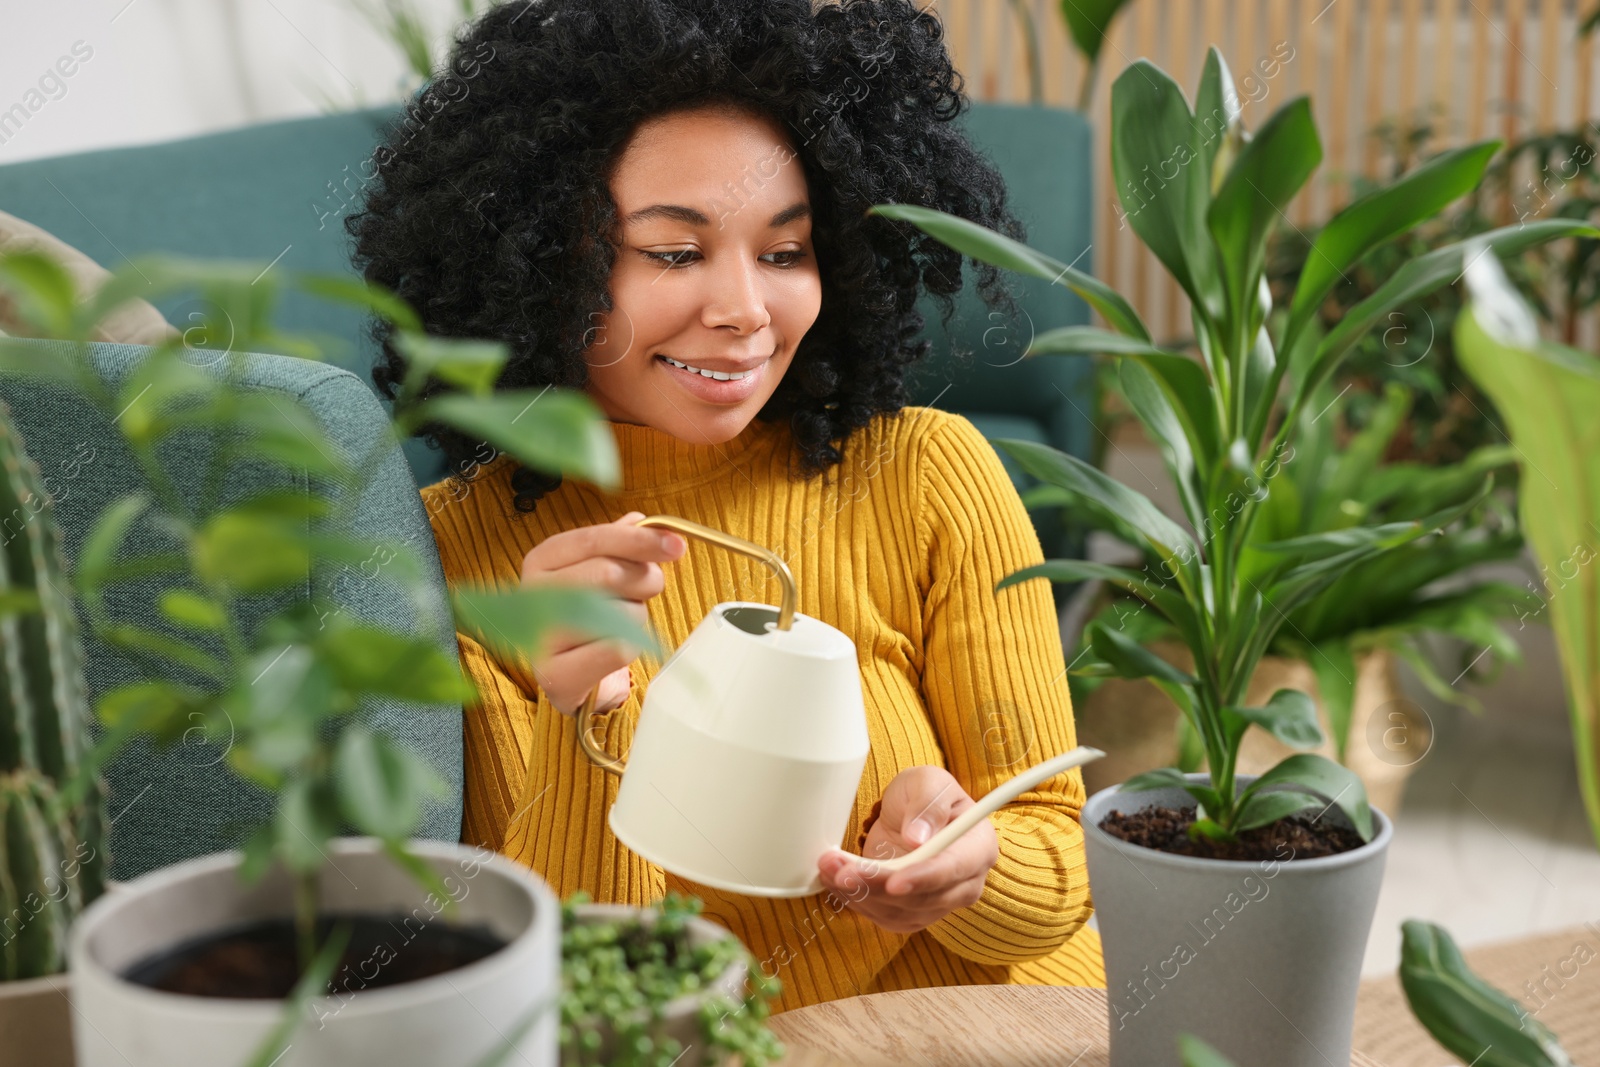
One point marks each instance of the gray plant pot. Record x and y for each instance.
(1261, 960)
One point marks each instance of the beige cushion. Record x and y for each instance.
(135, 322)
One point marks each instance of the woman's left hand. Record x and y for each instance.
(918, 803)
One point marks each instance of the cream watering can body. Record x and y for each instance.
(750, 745)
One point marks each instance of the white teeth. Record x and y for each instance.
(721, 376)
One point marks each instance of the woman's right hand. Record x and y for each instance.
(621, 558)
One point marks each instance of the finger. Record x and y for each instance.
(627, 578)
(964, 860)
(593, 660)
(927, 793)
(623, 539)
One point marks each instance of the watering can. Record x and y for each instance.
(750, 744)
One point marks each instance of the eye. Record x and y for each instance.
(794, 255)
(676, 257)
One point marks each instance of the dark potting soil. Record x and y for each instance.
(257, 961)
(1167, 830)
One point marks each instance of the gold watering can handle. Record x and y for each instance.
(586, 715)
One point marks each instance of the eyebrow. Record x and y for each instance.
(693, 217)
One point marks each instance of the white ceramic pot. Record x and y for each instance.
(1261, 959)
(449, 1020)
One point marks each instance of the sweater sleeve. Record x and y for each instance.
(994, 683)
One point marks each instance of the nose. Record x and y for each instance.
(737, 297)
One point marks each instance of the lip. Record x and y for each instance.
(709, 389)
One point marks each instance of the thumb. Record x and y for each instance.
(917, 801)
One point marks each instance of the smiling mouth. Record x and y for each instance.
(714, 375)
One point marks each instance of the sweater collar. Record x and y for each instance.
(653, 460)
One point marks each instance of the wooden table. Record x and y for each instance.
(956, 1026)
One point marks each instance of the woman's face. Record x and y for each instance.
(715, 270)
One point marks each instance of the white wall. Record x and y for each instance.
(164, 69)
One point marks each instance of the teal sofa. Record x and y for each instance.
(279, 193)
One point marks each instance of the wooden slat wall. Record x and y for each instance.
(1477, 68)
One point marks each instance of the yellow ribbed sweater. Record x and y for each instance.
(899, 547)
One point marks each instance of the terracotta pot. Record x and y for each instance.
(36, 1022)
(1136, 725)
(680, 1018)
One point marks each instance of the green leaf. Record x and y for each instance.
(305, 821)
(986, 246)
(45, 295)
(1170, 604)
(1089, 21)
(1131, 659)
(1157, 162)
(1219, 116)
(1379, 215)
(251, 554)
(369, 659)
(1548, 395)
(1469, 1017)
(1266, 808)
(1107, 497)
(517, 622)
(1164, 778)
(557, 430)
(373, 297)
(131, 637)
(1184, 381)
(1334, 664)
(380, 785)
(1335, 783)
(1290, 716)
(100, 548)
(1419, 277)
(1269, 171)
(185, 607)
(473, 365)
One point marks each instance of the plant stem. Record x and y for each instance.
(305, 918)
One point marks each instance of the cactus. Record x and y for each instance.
(52, 825)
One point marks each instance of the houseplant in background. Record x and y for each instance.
(1342, 644)
(287, 699)
(1204, 197)
(52, 837)
(1548, 394)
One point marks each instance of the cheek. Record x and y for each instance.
(799, 305)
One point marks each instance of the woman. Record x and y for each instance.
(662, 202)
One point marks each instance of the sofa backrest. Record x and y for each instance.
(185, 801)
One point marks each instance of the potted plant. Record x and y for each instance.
(1342, 644)
(659, 986)
(334, 947)
(52, 817)
(1215, 891)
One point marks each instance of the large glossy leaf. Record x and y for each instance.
(1165, 426)
(1157, 162)
(557, 430)
(1249, 205)
(1549, 395)
(1182, 380)
(1290, 716)
(998, 250)
(1089, 21)
(1337, 784)
(1465, 1014)
(1267, 807)
(1129, 659)
(1420, 277)
(1219, 115)
(1107, 497)
(1379, 215)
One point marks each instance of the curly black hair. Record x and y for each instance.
(490, 211)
